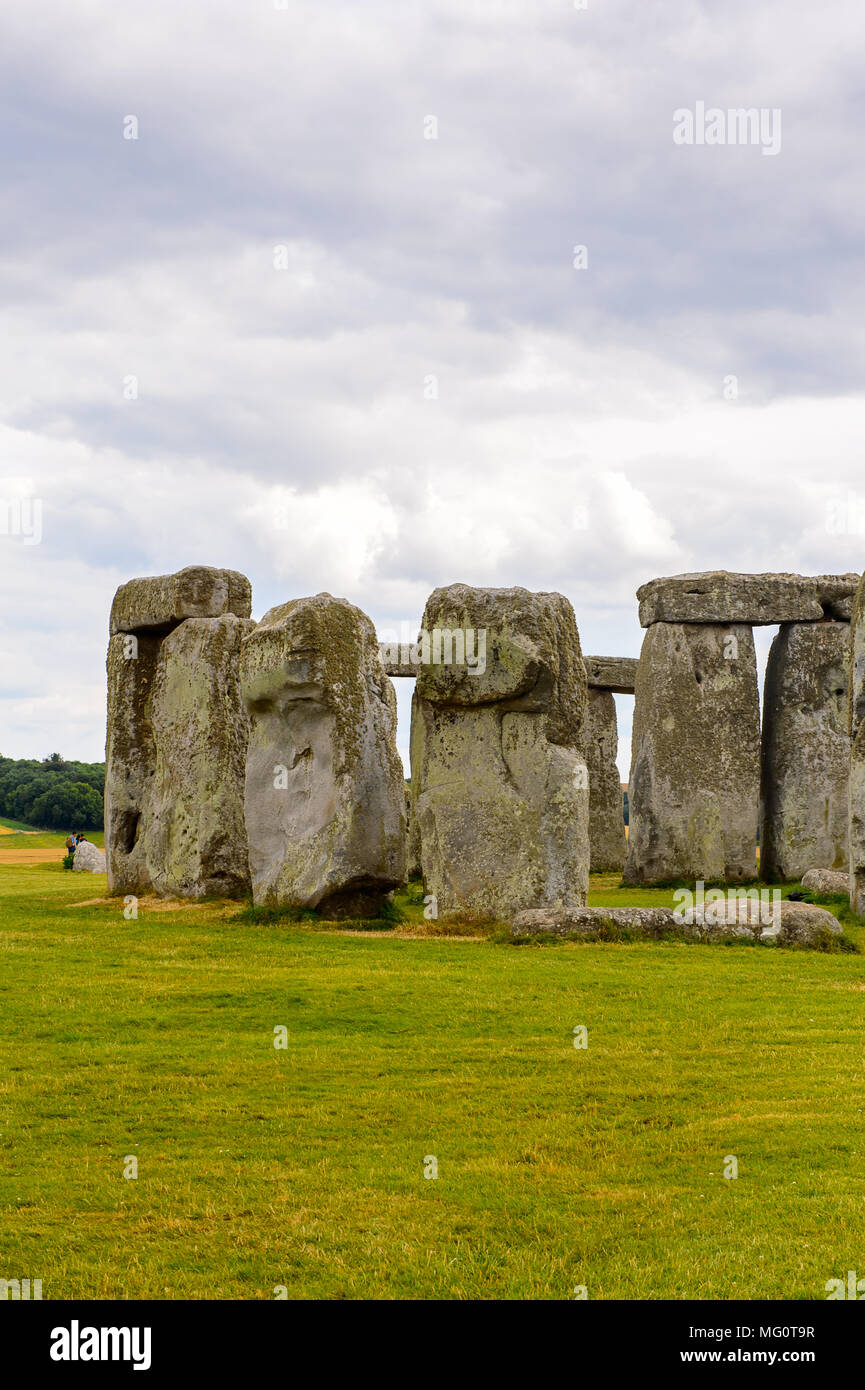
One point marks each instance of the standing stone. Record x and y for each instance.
(500, 784)
(606, 810)
(695, 766)
(176, 735)
(175, 761)
(856, 786)
(806, 751)
(414, 867)
(325, 795)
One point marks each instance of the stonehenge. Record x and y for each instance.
(806, 750)
(856, 726)
(325, 798)
(499, 781)
(176, 736)
(688, 809)
(755, 599)
(605, 675)
(695, 760)
(259, 759)
(607, 841)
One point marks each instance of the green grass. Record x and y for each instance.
(14, 824)
(304, 1167)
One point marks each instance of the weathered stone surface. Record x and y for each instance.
(826, 881)
(89, 859)
(695, 764)
(616, 673)
(498, 771)
(175, 762)
(804, 924)
(325, 795)
(608, 843)
(720, 597)
(414, 866)
(856, 783)
(794, 924)
(805, 750)
(162, 601)
(580, 921)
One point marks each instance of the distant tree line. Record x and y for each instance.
(53, 793)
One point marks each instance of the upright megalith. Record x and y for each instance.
(499, 779)
(325, 795)
(606, 811)
(176, 738)
(856, 724)
(695, 763)
(806, 750)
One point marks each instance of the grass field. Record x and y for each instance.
(303, 1167)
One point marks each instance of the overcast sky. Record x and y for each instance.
(287, 331)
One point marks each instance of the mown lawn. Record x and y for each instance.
(304, 1167)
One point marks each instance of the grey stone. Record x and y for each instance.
(805, 751)
(499, 778)
(793, 924)
(175, 762)
(162, 601)
(325, 795)
(717, 596)
(88, 859)
(856, 783)
(616, 673)
(608, 843)
(695, 764)
(414, 865)
(826, 881)
(579, 921)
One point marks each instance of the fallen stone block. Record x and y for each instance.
(826, 881)
(88, 859)
(794, 923)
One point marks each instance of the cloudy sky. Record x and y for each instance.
(321, 320)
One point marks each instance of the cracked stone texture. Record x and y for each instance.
(695, 767)
(175, 758)
(806, 751)
(164, 600)
(499, 779)
(717, 596)
(325, 794)
(856, 782)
